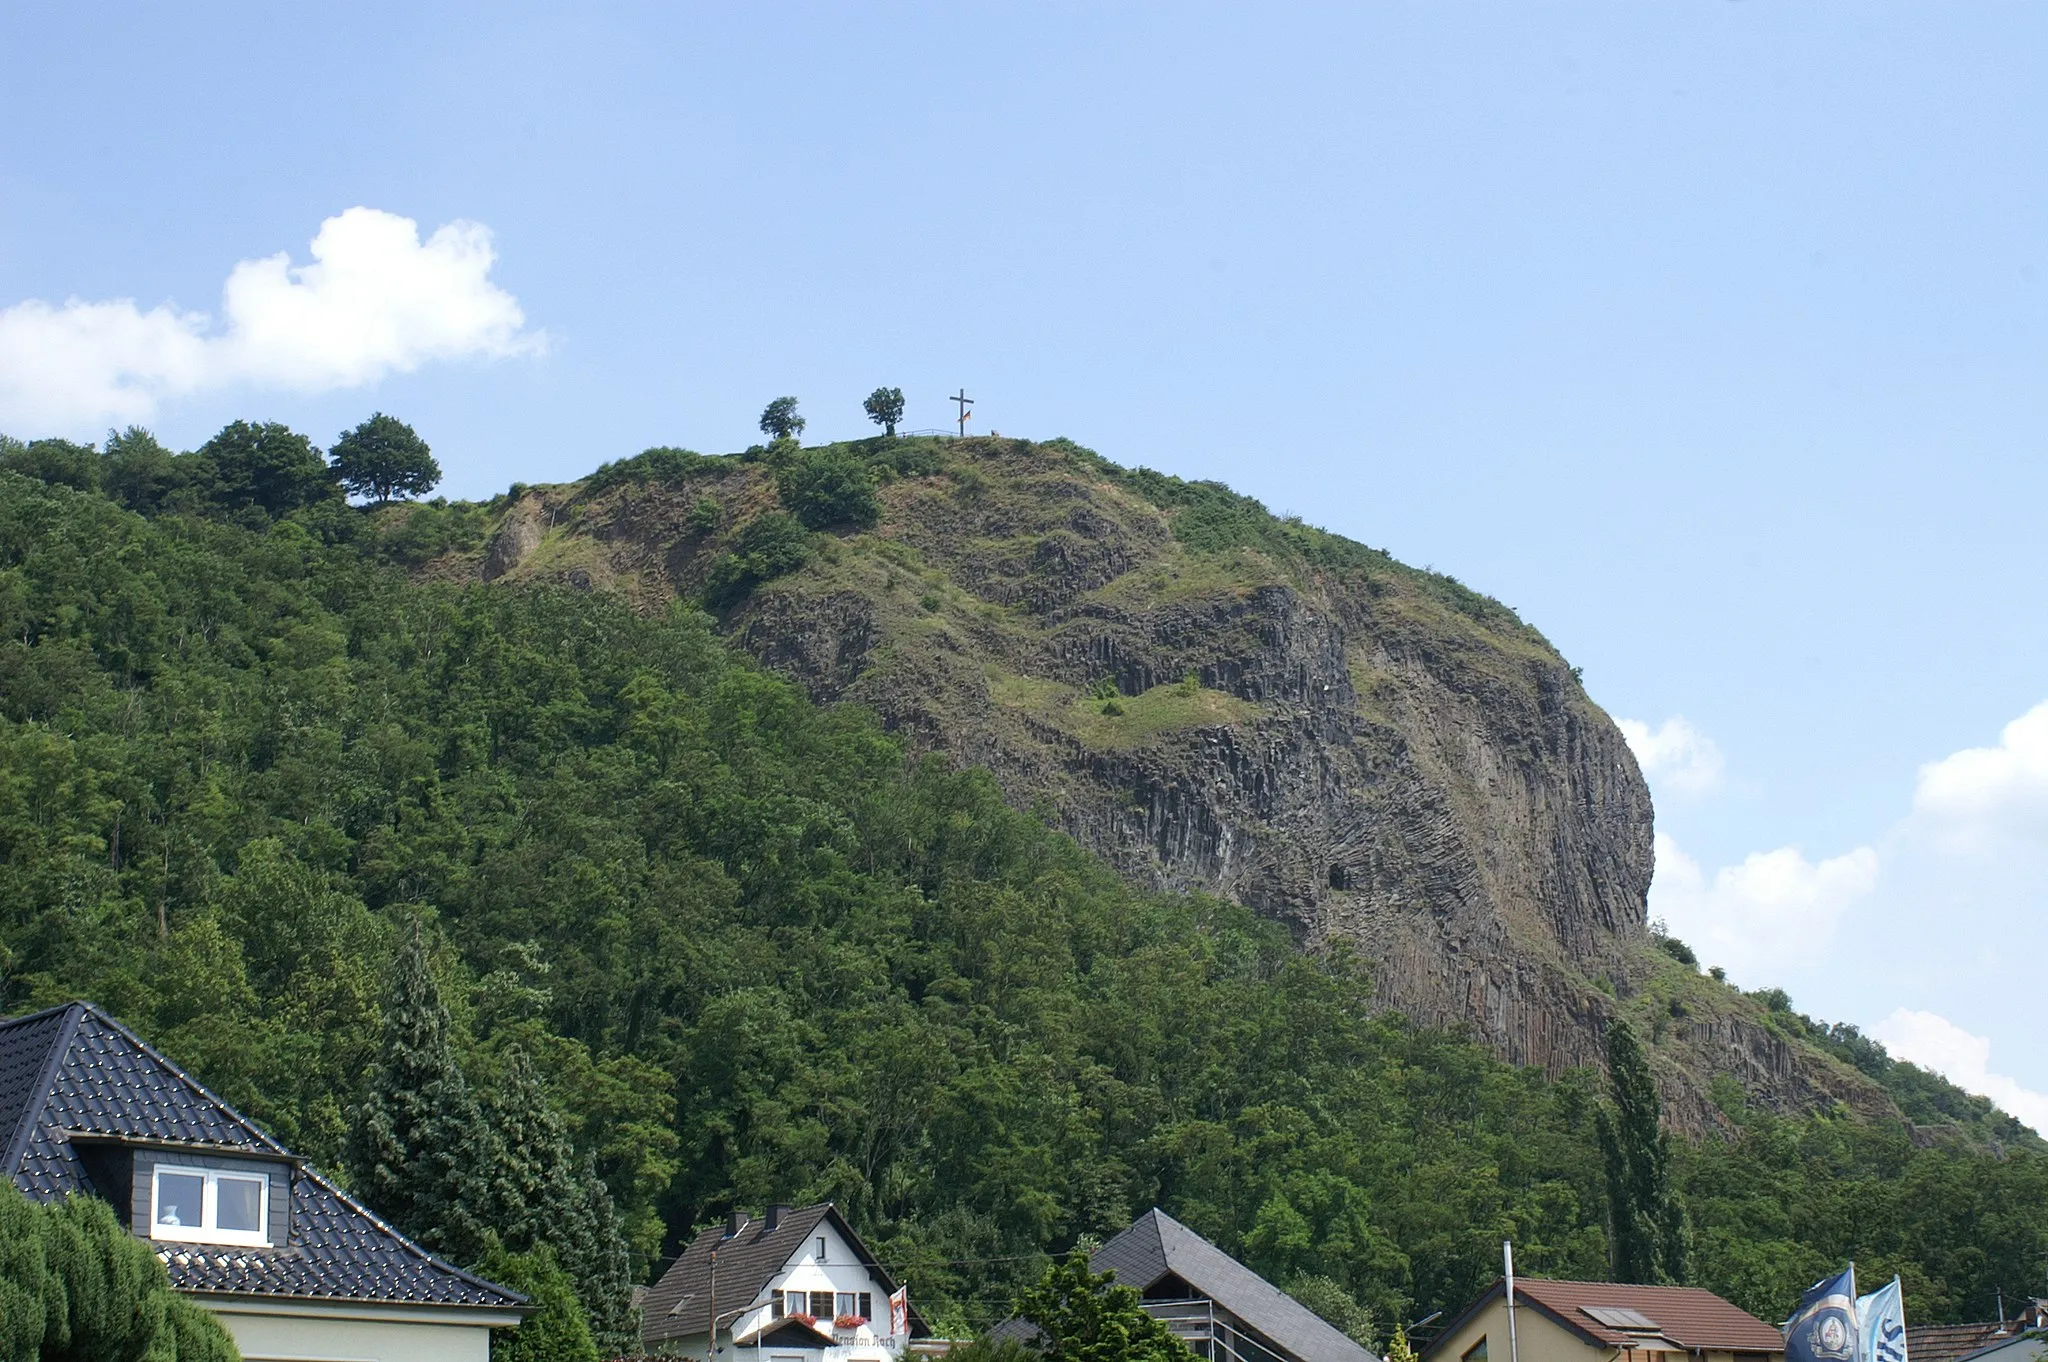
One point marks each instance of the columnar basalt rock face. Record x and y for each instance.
(1365, 753)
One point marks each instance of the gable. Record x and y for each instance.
(1158, 1252)
(758, 1260)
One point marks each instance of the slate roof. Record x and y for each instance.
(75, 1070)
(1947, 1342)
(1157, 1246)
(1690, 1316)
(679, 1304)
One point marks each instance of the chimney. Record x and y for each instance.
(735, 1221)
(775, 1214)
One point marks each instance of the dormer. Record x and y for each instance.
(183, 1192)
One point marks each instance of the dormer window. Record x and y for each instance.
(202, 1206)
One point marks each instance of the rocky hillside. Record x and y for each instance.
(1213, 698)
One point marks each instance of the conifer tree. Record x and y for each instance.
(1646, 1222)
(76, 1286)
(419, 1152)
(1398, 1348)
(603, 1267)
(541, 1195)
(24, 1277)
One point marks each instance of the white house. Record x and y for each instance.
(795, 1285)
(294, 1268)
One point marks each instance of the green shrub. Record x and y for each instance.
(769, 547)
(705, 515)
(76, 1286)
(828, 487)
(556, 1331)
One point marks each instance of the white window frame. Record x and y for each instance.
(208, 1231)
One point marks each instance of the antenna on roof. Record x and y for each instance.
(1507, 1258)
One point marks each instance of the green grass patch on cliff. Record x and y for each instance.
(1107, 725)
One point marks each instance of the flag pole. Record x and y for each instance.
(1507, 1258)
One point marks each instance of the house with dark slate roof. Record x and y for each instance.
(290, 1264)
(1221, 1309)
(793, 1285)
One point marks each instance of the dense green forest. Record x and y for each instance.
(756, 955)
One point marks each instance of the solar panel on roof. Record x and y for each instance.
(1616, 1317)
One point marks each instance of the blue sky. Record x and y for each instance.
(1711, 336)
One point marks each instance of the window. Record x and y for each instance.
(775, 1307)
(1475, 1353)
(867, 1305)
(794, 1303)
(821, 1248)
(206, 1207)
(821, 1304)
(847, 1304)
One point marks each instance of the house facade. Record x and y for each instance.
(1605, 1322)
(795, 1284)
(295, 1269)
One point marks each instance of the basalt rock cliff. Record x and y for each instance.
(1214, 699)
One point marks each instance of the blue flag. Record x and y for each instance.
(1881, 1323)
(1823, 1328)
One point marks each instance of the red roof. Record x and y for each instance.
(1690, 1316)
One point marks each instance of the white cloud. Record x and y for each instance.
(1938, 1044)
(375, 300)
(1986, 798)
(1769, 910)
(1674, 754)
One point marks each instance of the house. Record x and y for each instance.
(1605, 1322)
(1219, 1307)
(2011, 1347)
(291, 1265)
(1953, 1342)
(795, 1285)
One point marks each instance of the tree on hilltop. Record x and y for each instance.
(885, 408)
(269, 467)
(779, 420)
(384, 457)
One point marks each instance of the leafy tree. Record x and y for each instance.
(1647, 1230)
(823, 488)
(1399, 1349)
(54, 461)
(267, 467)
(885, 408)
(1086, 1317)
(556, 1331)
(140, 473)
(1337, 1306)
(382, 458)
(420, 1153)
(779, 420)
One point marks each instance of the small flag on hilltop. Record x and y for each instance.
(1881, 1321)
(1823, 1328)
(899, 1312)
